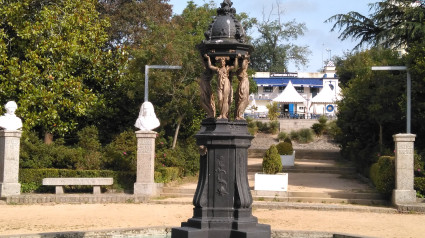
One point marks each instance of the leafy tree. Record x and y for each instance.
(394, 24)
(273, 111)
(272, 50)
(372, 108)
(50, 51)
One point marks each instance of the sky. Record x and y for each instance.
(322, 43)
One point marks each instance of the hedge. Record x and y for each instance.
(31, 179)
(382, 174)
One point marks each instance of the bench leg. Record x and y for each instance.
(59, 190)
(96, 190)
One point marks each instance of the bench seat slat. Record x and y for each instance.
(77, 181)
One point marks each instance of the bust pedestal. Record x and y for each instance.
(9, 163)
(145, 184)
(223, 199)
(404, 166)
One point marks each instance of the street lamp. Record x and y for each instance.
(409, 91)
(147, 67)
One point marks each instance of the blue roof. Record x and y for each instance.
(306, 82)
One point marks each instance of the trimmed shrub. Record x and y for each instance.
(287, 140)
(167, 174)
(382, 174)
(31, 179)
(284, 148)
(282, 136)
(271, 161)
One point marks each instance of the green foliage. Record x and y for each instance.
(372, 108)
(333, 130)
(323, 120)
(271, 161)
(120, 154)
(88, 141)
(274, 127)
(53, 61)
(273, 111)
(31, 179)
(35, 154)
(393, 24)
(282, 136)
(272, 48)
(302, 135)
(167, 174)
(185, 158)
(382, 174)
(284, 148)
(318, 128)
(252, 126)
(287, 140)
(419, 185)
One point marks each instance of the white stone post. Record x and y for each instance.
(404, 166)
(145, 184)
(9, 162)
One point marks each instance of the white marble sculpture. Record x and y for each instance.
(147, 120)
(9, 121)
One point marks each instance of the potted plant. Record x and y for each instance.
(271, 179)
(287, 153)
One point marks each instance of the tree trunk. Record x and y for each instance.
(179, 122)
(380, 138)
(48, 138)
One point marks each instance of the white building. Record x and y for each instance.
(320, 92)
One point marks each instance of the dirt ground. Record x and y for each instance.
(30, 219)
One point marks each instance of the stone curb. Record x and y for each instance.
(301, 206)
(165, 232)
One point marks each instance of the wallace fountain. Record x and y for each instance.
(223, 201)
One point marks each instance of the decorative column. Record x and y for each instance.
(223, 199)
(404, 166)
(9, 162)
(145, 184)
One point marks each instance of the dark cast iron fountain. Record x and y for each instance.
(223, 201)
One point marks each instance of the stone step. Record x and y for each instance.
(325, 198)
(306, 196)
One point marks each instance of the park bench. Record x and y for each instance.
(60, 182)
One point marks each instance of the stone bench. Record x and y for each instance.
(60, 182)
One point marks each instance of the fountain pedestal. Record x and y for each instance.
(223, 199)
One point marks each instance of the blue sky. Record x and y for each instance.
(312, 12)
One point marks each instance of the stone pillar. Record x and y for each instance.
(404, 166)
(9, 162)
(145, 184)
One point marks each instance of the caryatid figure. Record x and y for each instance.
(207, 97)
(242, 97)
(223, 84)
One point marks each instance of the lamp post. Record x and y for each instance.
(147, 67)
(409, 91)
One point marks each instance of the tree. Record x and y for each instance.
(272, 52)
(50, 51)
(394, 24)
(273, 111)
(372, 108)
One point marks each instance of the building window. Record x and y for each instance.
(314, 91)
(281, 88)
(299, 89)
(268, 89)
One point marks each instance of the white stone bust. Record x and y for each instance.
(9, 121)
(147, 120)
